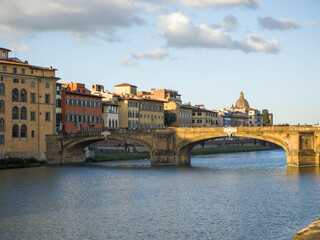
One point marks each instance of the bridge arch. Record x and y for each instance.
(74, 148)
(185, 147)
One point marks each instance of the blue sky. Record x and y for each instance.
(208, 50)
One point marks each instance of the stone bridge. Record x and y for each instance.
(171, 146)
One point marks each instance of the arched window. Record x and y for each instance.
(109, 123)
(77, 102)
(90, 103)
(15, 113)
(81, 102)
(95, 118)
(23, 95)
(2, 109)
(23, 113)
(90, 118)
(72, 101)
(68, 101)
(99, 104)
(2, 89)
(86, 103)
(67, 117)
(1, 124)
(23, 131)
(15, 131)
(15, 95)
(94, 103)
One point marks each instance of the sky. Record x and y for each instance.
(208, 50)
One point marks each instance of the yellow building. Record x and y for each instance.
(128, 112)
(151, 113)
(27, 107)
(202, 117)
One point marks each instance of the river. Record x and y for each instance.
(249, 195)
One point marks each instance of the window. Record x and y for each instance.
(23, 95)
(4, 68)
(23, 131)
(86, 103)
(99, 104)
(32, 133)
(15, 131)
(1, 124)
(33, 84)
(90, 103)
(94, 103)
(47, 85)
(32, 116)
(23, 113)
(4, 54)
(14, 70)
(81, 102)
(58, 90)
(77, 102)
(23, 71)
(2, 89)
(15, 95)
(2, 107)
(58, 103)
(47, 98)
(47, 117)
(68, 101)
(15, 80)
(199, 114)
(31, 71)
(1, 139)
(23, 81)
(15, 113)
(72, 101)
(32, 97)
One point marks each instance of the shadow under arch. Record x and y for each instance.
(185, 147)
(77, 146)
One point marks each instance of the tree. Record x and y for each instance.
(265, 118)
(169, 118)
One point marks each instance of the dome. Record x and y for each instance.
(242, 102)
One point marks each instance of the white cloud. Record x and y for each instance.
(94, 18)
(159, 53)
(180, 32)
(126, 63)
(229, 23)
(257, 43)
(310, 23)
(274, 24)
(220, 3)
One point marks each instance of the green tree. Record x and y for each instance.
(265, 118)
(169, 118)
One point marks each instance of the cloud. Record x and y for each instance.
(257, 43)
(229, 23)
(159, 53)
(274, 24)
(180, 32)
(96, 18)
(126, 63)
(310, 23)
(220, 3)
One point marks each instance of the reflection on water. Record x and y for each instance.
(223, 196)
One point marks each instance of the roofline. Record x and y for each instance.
(26, 64)
(82, 94)
(5, 49)
(125, 84)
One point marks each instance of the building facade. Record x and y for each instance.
(81, 111)
(202, 117)
(110, 115)
(27, 107)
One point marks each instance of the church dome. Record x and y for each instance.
(242, 102)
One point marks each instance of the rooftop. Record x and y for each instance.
(125, 85)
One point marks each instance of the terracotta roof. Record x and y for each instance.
(25, 64)
(125, 85)
(108, 103)
(5, 49)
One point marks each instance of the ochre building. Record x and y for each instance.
(27, 107)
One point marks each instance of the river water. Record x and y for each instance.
(223, 196)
